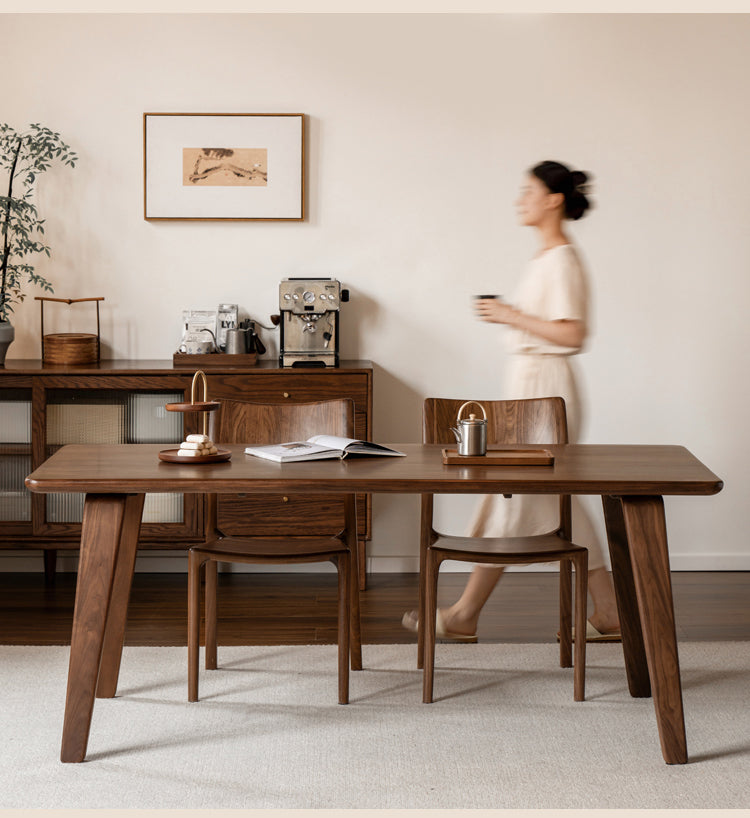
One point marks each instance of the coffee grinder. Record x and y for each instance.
(310, 321)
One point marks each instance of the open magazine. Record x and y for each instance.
(320, 447)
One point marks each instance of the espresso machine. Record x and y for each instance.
(310, 321)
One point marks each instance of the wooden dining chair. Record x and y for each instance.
(256, 423)
(509, 422)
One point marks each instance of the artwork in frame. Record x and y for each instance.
(224, 166)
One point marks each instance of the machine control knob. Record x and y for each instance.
(345, 295)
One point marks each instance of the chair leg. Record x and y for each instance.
(582, 581)
(566, 592)
(212, 572)
(350, 526)
(433, 568)
(343, 567)
(195, 563)
(425, 529)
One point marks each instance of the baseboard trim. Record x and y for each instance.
(169, 562)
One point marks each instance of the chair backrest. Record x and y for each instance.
(245, 422)
(537, 420)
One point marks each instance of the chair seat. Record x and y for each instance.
(538, 547)
(281, 549)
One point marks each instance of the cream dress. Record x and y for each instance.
(553, 288)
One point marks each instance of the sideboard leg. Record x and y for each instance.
(362, 561)
(50, 565)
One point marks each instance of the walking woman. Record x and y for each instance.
(547, 326)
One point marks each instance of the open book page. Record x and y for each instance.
(291, 452)
(351, 446)
(320, 447)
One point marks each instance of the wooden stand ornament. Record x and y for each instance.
(197, 448)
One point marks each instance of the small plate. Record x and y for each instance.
(171, 456)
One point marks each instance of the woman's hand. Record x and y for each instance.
(565, 333)
(495, 311)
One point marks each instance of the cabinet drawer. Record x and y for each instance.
(296, 386)
(265, 515)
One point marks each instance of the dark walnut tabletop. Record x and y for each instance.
(578, 469)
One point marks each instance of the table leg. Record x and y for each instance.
(114, 635)
(634, 651)
(350, 528)
(647, 537)
(104, 518)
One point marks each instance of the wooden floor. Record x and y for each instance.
(261, 609)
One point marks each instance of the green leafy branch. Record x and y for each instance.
(24, 156)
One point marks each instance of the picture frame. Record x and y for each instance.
(223, 167)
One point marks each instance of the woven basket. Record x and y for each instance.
(70, 348)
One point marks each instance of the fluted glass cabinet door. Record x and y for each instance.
(15, 454)
(112, 416)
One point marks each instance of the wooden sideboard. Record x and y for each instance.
(122, 401)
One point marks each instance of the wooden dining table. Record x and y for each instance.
(631, 479)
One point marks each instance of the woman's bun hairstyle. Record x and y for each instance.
(571, 183)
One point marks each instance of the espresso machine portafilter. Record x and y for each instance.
(310, 321)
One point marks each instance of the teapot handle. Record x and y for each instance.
(468, 402)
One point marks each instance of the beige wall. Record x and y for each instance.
(420, 127)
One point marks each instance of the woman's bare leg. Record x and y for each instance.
(463, 615)
(602, 593)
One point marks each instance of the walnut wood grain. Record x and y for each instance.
(265, 380)
(253, 422)
(635, 474)
(103, 522)
(647, 537)
(578, 469)
(114, 634)
(634, 651)
(509, 422)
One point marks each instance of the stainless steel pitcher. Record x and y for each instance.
(471, 434)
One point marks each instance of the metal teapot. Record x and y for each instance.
(471, 434)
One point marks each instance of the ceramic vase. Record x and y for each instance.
(7, 334)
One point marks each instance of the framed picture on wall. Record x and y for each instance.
(242, 167)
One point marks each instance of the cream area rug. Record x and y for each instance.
(504, 732)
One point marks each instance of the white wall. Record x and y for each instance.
(420, 127)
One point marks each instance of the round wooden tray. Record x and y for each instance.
(198, 406)
(171, 456)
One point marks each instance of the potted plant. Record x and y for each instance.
(25, 156)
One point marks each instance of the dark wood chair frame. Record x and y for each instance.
(509, 422)
(243, 422)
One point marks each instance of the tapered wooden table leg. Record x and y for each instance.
(104, 518)
(114, 635)
(647, 537)
(634, 652)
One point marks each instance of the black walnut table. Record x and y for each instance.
(631, 480)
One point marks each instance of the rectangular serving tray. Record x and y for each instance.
(500, 457)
